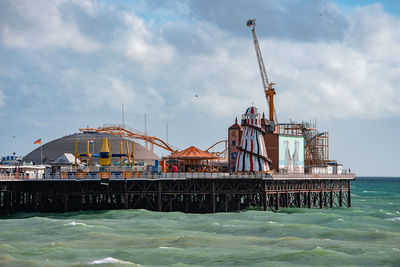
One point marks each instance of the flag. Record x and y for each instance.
(39, 141)
(91, 141)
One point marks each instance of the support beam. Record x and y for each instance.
(190, 195)
(126, 199)
(321, 200)
(348, 195)
(226, 202)
(264, 197)
(159, 198)
(287, 199)
(213, 197)
(298, 199)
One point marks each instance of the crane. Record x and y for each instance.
(268, 87)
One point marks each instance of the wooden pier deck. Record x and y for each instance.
(194, 193)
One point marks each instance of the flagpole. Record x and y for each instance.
(94, 161)
(41, 152)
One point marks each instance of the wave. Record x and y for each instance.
(110, 260)
(78, 223)
(393, 219)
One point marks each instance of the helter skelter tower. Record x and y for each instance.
(252, 152)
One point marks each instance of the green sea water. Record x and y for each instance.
(368, 234)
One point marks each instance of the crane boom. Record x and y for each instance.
(268, 89)
(263, 72)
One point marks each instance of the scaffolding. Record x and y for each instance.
(316, 144)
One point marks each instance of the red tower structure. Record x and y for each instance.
(234, 137)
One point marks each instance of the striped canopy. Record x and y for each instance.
(192, 153)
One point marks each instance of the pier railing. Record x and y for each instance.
(177, 175)
(171, 176)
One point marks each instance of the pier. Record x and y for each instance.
(183, 192)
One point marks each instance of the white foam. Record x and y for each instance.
(365, 191)
(109, 260)
(78, 223)
(393, 219)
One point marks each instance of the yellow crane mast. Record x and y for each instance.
(268, 87)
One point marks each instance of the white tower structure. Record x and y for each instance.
(252, 152)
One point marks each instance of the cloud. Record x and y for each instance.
(301, 20)
(89, 89)
(326, 64)
(334, 68)
(142, 45)
(2, 99)
(332, 80)
(375, 33)
(41, 24)
(355, 77)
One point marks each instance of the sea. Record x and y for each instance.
(367, 234)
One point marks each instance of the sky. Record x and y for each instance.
(192, 65)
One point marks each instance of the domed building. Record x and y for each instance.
(56, 148)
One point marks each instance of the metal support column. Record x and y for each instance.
(213, 197)
(299, 199)
(159, 197)
(226, 202)
(126, 199)
(348, 195)
(264, 197)
(321, 199)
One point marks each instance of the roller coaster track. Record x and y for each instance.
(221, 152)
(122, 131)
